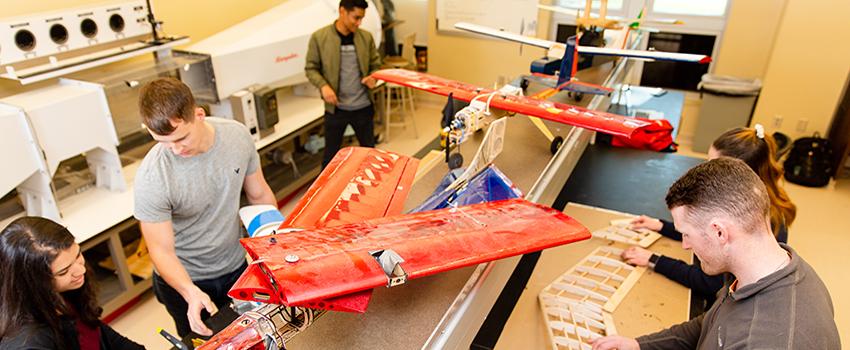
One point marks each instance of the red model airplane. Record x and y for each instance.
(306, 268)
(346, 235)
(608, 123)
(460, 125)
(358, 184)
(335, 263)
(334, 266)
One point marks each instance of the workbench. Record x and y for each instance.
(447, 310)
(652, 304)
(103, 220)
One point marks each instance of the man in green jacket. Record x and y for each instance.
(777, 301)
(340, 59)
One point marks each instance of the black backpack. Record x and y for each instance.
(809, 162)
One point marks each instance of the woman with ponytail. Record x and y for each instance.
(757, 150)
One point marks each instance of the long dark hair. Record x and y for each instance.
(28, 246)
(760, 154)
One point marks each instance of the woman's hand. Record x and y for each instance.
(615, 342)
(646, 222)
(636, 256)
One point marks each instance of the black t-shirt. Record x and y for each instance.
(346, 39)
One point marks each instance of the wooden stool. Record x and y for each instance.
(404, 100)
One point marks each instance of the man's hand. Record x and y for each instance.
(369, 82)
(646, 222)
(198, 300)
(615, 342)
(636, 256)
(329, 95)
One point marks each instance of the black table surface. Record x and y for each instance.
(623, 179)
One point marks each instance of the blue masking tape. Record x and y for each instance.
(263, 219)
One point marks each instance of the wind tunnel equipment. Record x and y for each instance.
(29, 174)
(63, 121)
(51, 33)
(47, 45)
(271, 47)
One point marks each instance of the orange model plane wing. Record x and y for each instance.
(309, 268)
(359, 183)
(608, 123)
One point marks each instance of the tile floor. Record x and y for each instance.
(820, 234)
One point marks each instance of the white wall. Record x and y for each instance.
(744, 51)
(808, 67)
(414, 13)
(476, 59)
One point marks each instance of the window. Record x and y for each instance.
(579, 4)
(690, 8)
(700, 17)
(702, 32)
(677, 75)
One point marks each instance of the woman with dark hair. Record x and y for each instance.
(757, 150)
(46, 299)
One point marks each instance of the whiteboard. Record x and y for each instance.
(517, 16)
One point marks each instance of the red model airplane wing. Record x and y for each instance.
(358, 184)
(608, 123)
(306, 268)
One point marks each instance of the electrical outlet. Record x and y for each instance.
(777, 121)
(802, 124)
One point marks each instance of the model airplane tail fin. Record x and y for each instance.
(448, 111)
(488, 185)
(569, 63)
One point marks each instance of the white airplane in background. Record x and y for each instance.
(558, 50)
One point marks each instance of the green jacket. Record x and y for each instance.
(323, 56)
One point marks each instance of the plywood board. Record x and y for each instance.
(577, 305)
(654, 303)
(619, 232)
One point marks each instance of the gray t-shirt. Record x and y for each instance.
(200, 195)
(352, 93)
(787, 309)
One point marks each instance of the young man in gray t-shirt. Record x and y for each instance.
(187, 193)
